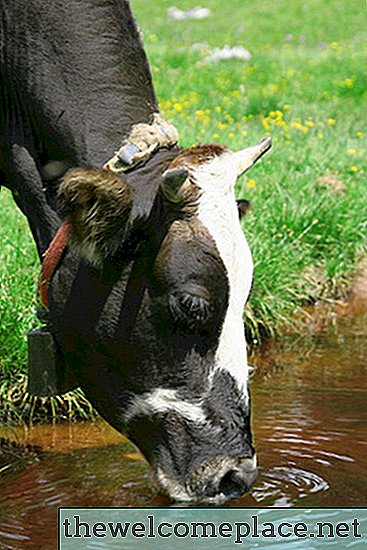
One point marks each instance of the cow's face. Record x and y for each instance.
(180, 358)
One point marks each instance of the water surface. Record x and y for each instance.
(309, 399)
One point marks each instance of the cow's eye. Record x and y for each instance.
(189, 308)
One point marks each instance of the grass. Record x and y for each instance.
(306, 87)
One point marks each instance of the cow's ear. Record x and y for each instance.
(97, 205)
(172, 182)
(243, 206)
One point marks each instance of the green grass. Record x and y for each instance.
(18, 275)
(306, 86)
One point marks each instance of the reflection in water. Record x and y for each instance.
(310, 418)
(310, 421)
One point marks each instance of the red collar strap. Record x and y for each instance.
(51, 261)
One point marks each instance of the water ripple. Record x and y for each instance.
(284, 485)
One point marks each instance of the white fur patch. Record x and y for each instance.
(217, 211)
(162, 400)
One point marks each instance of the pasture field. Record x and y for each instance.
(306, 87)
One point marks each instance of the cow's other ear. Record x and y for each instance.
(243, 206)
(97, 205)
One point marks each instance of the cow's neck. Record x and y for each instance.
(79, 79)
(89, 73)
(111, 78)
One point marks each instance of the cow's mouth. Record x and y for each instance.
(215, 481)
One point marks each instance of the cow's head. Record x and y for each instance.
(171, 365)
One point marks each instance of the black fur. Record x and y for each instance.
(74, 78)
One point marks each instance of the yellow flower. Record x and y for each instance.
(351, 151)
(215, 136)
(273, 88)
(309, 123)
(203, 116)
(331, 121)
(222, 125)
(231, 135)
(177, 106)
(244, 133)
(235, 93)
(251, 184)
(297, 126)
(320, 135)
(229, 118)
(348, 82)
(354, 168)
(286, 107)
(359, 134)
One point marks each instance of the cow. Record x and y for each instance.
(146, 302)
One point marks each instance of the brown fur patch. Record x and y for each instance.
(97, 204)
(198, 155)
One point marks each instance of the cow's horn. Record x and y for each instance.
(172, 183)
(247, 157)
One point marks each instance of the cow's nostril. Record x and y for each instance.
(233, 484)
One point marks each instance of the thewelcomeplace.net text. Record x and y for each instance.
(149, 527)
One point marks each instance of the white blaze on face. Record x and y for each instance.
(217, 211)
(160, 400)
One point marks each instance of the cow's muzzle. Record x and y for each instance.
(213, 482)
(237, 482)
